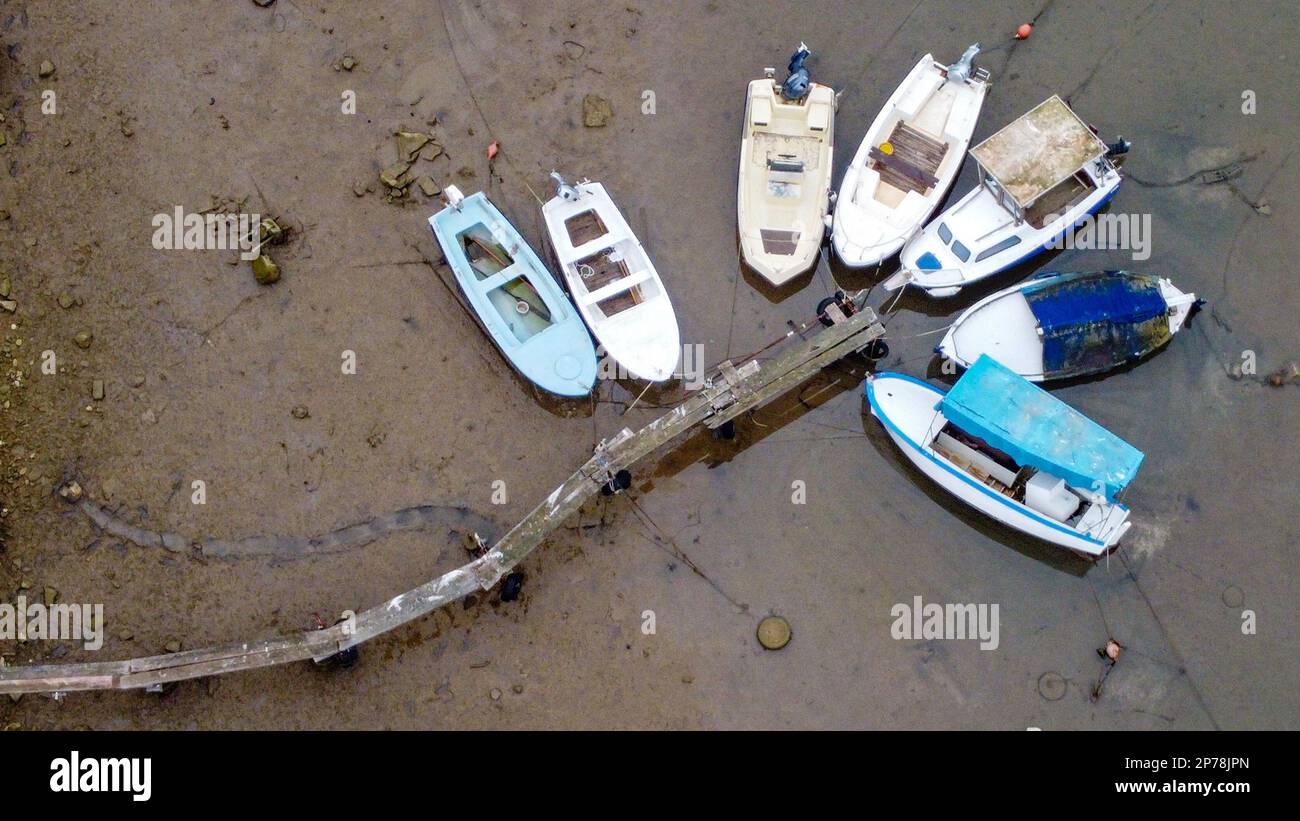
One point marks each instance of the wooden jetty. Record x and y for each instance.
(730, 392)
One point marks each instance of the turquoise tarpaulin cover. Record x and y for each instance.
(1037, 429)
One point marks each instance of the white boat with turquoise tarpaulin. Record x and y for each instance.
(517, 300)
(1014, 452)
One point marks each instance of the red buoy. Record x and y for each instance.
(1024, 31)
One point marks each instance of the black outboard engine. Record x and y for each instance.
(797, 85)
(1118, 148)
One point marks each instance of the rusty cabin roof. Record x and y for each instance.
(1040, 150)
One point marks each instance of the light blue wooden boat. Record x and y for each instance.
(518, 301)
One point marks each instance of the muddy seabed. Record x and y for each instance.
(162, 104)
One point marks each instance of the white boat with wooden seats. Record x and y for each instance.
(908, 159)
(784, 186)
(1039, 177)
(612, 280)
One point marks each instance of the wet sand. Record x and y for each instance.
(434, 416)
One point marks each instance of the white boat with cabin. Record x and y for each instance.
(1039, 177)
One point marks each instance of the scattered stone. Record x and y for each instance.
(149, 417)
(97, 390)
(25, 584)
(1262, 207)
(348, 63)
(213, 684)
(397, 175)
(496, 694)
(409, 144)
(774, 633)
(360, 188)
(8, 305)
(1235, 372)
(473, 542)
(596, 111)
(465, 172)
(172, 646)
(265, 271)
(46, 69)
(15, 697)
(71, 492)
(271, 231)
(4, 139)
(174, 542)
(125, 634)
(263, 3)
(83, 339)
(6, 286)
(300, 412)
(1289, 373)
(428, 186)
(137, 380)
(517, 689)
(50, 596)
(66, 300)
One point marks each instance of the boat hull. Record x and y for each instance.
(905, 407)
(874, 218)
(625, 304)
(784, 180)
(517, 301)
(1003, 326)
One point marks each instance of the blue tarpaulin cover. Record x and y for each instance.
(1037, 429)
(1094, 321)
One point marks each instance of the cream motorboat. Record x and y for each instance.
(783, 192)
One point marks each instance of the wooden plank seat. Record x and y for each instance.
(914, 161)
(603, 272)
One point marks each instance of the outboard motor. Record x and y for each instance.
(959, 72)
(1118, 148)
(797, 85)
(563, 190)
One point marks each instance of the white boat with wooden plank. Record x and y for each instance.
(908, 159)
(784, 185)
(1014, 452)
(1039, 177)
(612, 280)
(1063, 325)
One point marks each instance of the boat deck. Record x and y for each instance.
(1059, 199)
(603, 271)
(914, 161)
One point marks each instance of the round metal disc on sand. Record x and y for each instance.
(774, 632)
(1051, 686)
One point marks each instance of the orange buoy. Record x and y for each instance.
(493, 149)
(1024, 31)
